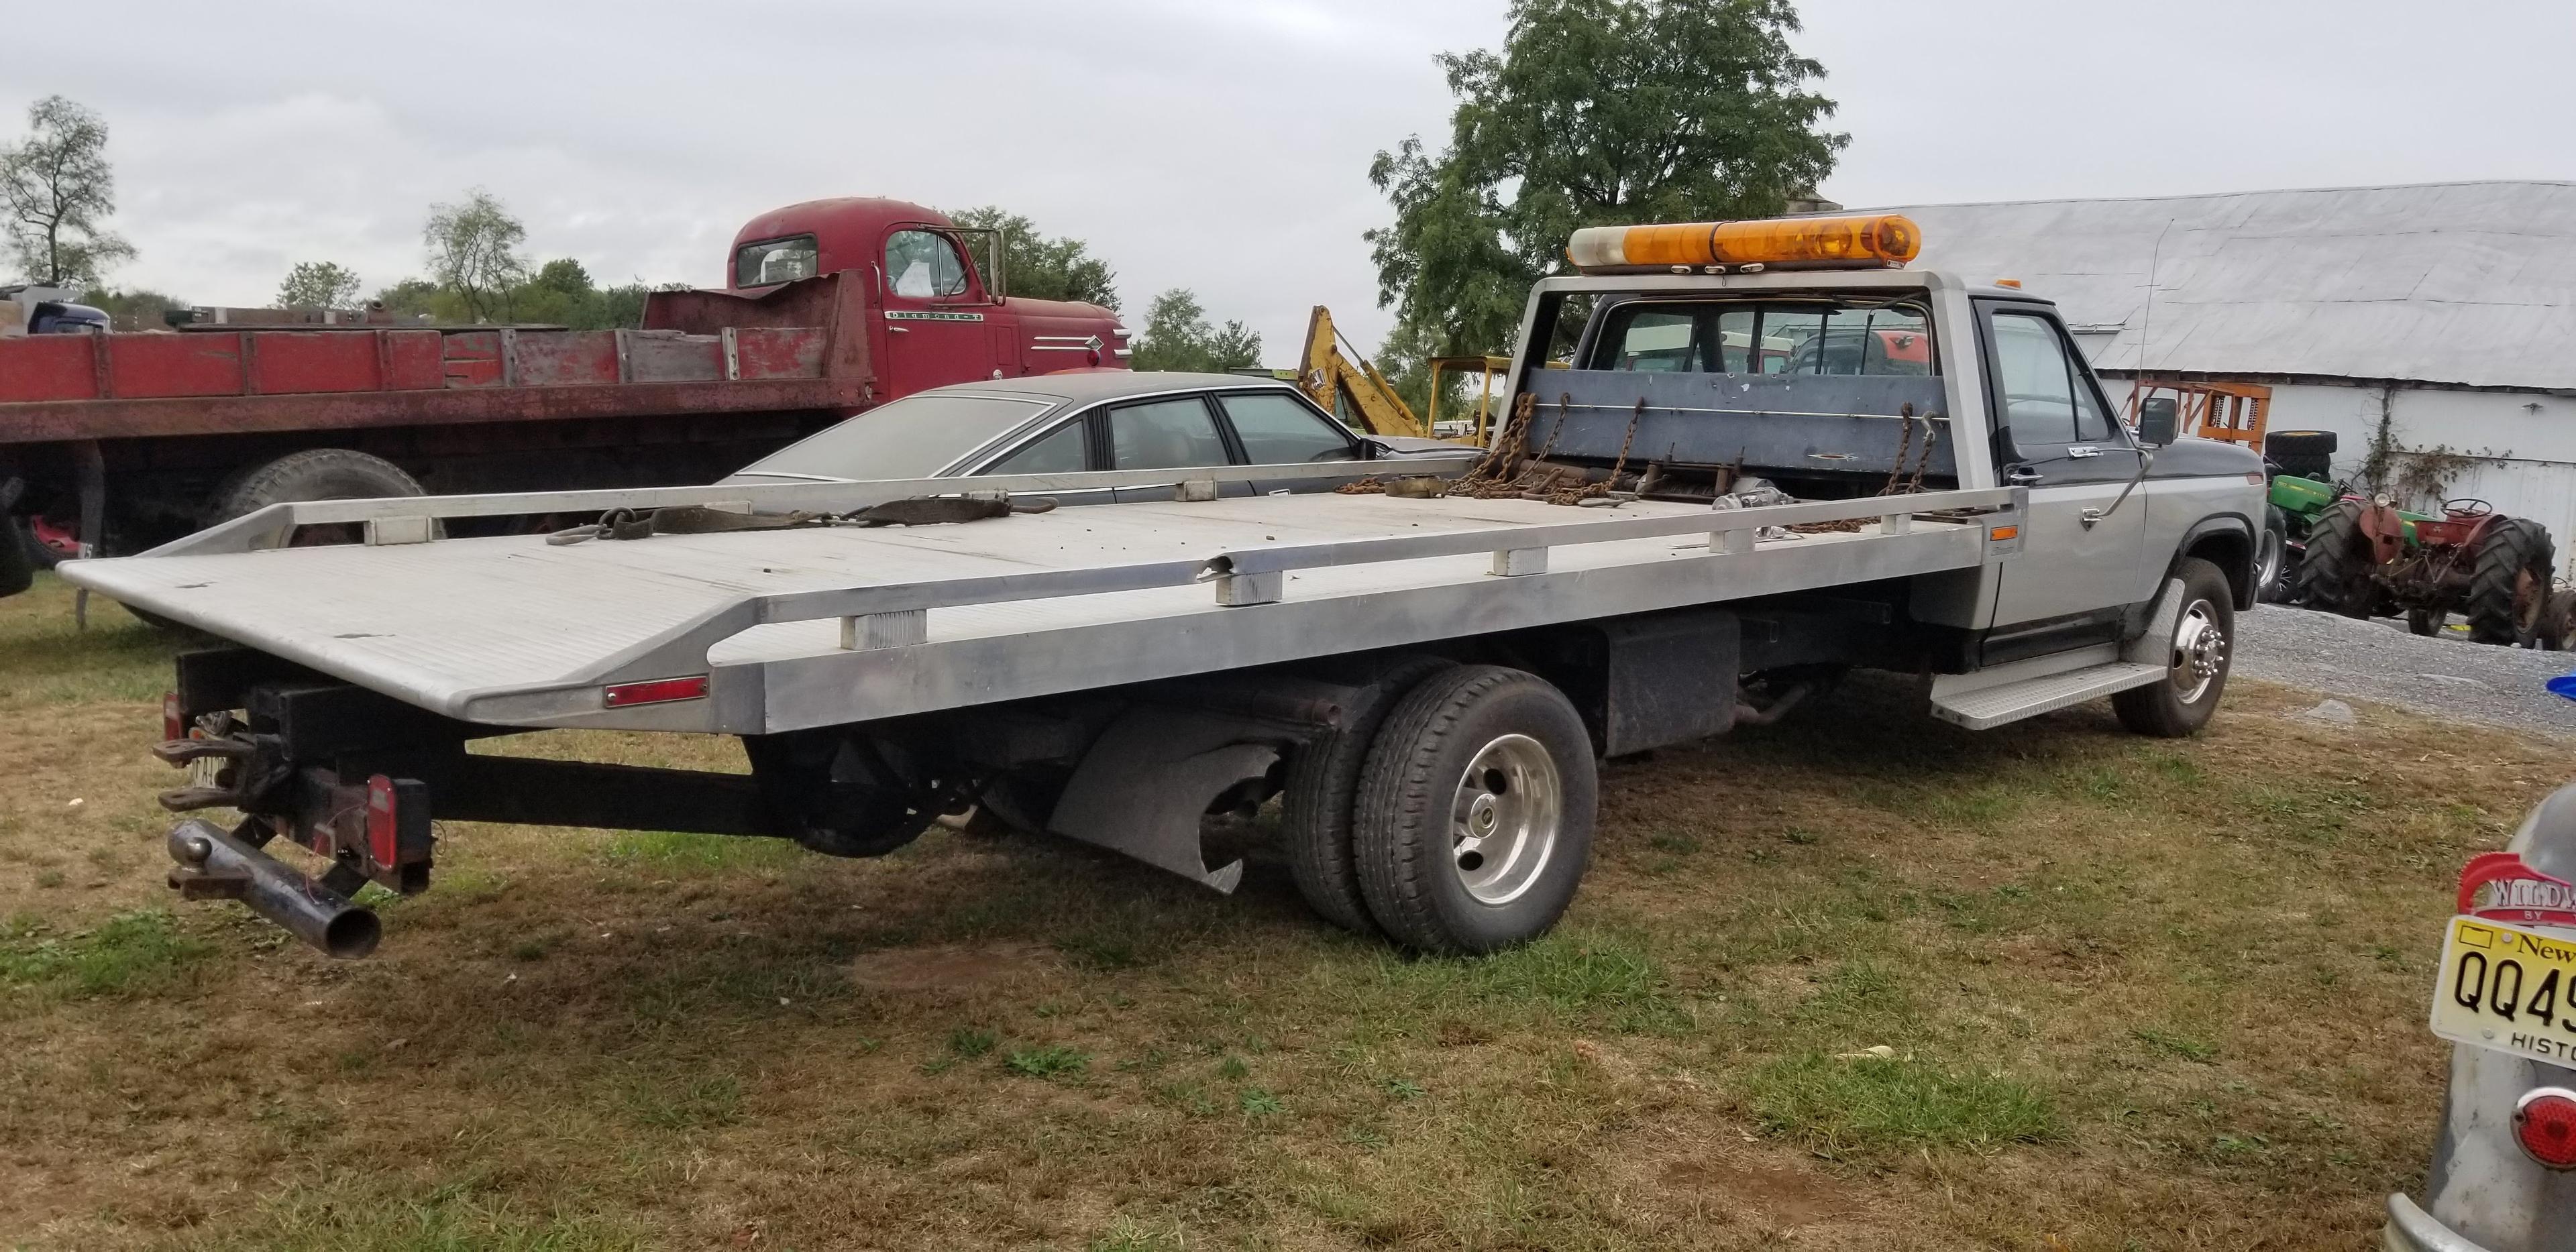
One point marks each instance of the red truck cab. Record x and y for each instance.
(940, 318)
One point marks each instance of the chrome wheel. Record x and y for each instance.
(2199, 651)
(1504, 819)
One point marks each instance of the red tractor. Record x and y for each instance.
(2366, 558)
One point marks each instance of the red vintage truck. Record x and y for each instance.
(122, 441)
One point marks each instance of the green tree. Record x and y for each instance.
(134, 308)
(474, 252)
(318, 285)
(1042, 268)
(58, 191)
(1595, 112)
(1178, 336)
(412, 298)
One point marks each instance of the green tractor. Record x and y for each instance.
(2342, 553)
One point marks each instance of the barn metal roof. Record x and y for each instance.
(2464, 283)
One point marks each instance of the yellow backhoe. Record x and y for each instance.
(1354, 391)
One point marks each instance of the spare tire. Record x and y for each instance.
(2509, 587)
(315, 474)
(2306, 453)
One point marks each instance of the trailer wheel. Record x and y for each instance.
(315, 474)
(2509, 589)
(2201, 650)
(2334, 573)
(1323, 779)
(1474, 813)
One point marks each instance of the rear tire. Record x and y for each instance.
(316, 474)
(2199, 655)
(2509, 589)
(2334, 574)
(1475, 811)
(1323, 782)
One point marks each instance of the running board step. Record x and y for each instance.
(1992, 704)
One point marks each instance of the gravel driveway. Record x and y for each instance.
(2379, 661)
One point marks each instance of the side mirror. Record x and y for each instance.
(2158, 423)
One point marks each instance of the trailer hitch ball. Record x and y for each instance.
(213, 864)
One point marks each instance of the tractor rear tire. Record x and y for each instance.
(2509, 589)
(1323, 782)
(2334, 573)
(2202, 651)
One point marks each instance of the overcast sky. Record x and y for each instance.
(1221, 145)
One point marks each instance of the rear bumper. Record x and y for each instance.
(2411, 1229)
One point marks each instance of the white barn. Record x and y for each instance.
(2445, 313)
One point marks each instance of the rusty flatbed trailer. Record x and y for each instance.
(116, 443)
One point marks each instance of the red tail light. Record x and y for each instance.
(658, 691)
(174, 721)
(2545, 1123)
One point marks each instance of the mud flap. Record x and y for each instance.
(2155, 647)
(1147, 780)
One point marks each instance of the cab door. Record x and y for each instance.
(935, 332)
(2083, 546)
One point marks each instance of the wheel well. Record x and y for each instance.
(2232, 551)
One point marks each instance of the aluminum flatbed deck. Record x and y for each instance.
(831, 625)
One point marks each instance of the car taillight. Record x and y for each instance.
(2544, 1122)
(174, 720)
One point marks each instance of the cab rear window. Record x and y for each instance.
(774, 261)
(1767, 337)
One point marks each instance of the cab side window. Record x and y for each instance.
(1275, 429)
(923, 265)
(2038, 388)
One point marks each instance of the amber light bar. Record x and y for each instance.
(1872, 239)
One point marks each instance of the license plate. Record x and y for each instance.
(2507, 988)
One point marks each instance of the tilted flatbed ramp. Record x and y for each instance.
(831, 625)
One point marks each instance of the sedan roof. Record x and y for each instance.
(1088, 386)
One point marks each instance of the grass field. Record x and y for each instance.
(2131, 994)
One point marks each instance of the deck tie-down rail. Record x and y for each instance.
(894, 615)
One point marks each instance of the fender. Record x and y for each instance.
(2240, 573)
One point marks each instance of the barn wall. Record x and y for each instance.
(2529, 439)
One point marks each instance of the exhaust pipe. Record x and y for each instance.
(215, 865)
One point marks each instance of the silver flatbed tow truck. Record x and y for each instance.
(1748, 478)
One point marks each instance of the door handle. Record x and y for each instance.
(2021, 476)
(898, 330)
(2082, 450)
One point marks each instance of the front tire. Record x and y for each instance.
(2272, 558)
(2198, 657)
(1475, 811)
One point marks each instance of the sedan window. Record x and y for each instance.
(1275, 429)
(1060, 452)
(1164, 434)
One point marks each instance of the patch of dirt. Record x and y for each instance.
(1777, 1196)
(948, 967)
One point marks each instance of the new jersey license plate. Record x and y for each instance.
(2507, 988)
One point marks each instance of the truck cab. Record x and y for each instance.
(941, 318)
(1851, 376)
